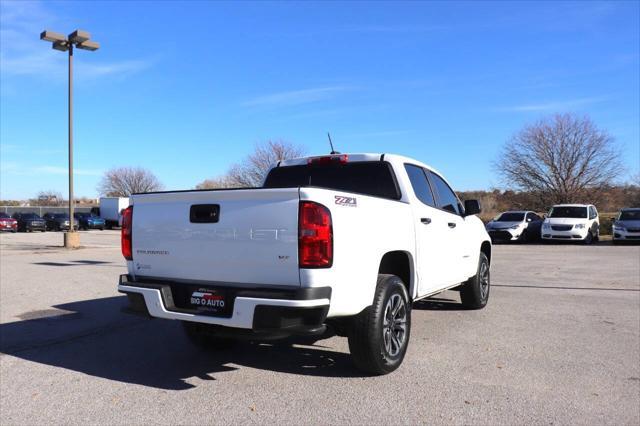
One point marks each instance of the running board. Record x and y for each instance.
(437, 291)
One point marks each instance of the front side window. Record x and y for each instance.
(447, 199)
(420, 184)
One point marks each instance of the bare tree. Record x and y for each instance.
(252, 170)
(215, 183)
(562, 159)
(124, 181)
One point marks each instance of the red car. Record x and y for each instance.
(8, 223)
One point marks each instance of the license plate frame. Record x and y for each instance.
(210, 301)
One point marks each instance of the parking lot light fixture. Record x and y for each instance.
(81, 40)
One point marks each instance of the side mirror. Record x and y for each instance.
(472, 207)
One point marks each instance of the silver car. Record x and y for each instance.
(626, 227)
(520, 225)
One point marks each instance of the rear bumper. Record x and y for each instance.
(261, 310)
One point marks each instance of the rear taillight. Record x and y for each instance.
(125, 239)
(315, 236)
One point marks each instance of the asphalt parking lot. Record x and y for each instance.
(559, 343)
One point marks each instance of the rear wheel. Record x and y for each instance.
(475, 291)
(203, 336)
(379, 335)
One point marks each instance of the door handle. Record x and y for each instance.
(452, 224)
(425, 220)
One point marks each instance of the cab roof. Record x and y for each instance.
(355, 157)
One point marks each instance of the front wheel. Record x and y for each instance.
(589, 238)
(379, 335)
(475, 291)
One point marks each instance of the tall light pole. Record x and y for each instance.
(79, 39)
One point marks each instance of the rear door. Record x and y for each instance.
(227, 236)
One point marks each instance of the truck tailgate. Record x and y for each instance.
(252, 239)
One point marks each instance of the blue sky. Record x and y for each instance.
(187, 88)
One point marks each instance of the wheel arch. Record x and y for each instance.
(401, 264)
(486, 249)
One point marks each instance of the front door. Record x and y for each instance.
(429, 233)
(458, 262)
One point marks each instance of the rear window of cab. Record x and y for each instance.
(375, 178)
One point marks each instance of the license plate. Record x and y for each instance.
(209, 300)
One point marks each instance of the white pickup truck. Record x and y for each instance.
(342, 241)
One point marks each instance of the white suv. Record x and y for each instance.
(572, 222)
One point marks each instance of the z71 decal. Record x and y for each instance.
(346, 201)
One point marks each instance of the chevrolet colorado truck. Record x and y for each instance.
(345, 241)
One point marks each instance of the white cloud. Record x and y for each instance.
(295, 97)
(390, 29)
(554, 105)
(14, 168)
(22, 53)
(376, 134)
(55, 170)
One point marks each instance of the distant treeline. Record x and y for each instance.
(609, 199)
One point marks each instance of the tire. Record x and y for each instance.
(201, 335)
(378, 338)
(589, 238)
(475, 291)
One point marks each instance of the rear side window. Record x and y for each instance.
(447, 199)
(420, 184)
(374, 178)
